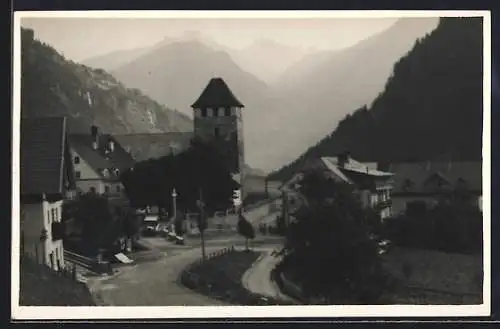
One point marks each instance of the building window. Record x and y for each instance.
(76, 160)
(118, 188)
(93, 190)
(78, 174)
(222, 112)
(48, 217)
(197, 113)
(106, 189)
(210, 112)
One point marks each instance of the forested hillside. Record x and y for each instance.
(53, 85)
(431, 106)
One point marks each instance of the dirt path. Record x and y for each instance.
(258, 278)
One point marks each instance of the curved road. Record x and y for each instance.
(258, 278)
(152, 284)
(155, 283)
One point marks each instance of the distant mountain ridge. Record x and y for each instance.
(287, 115)
(54, 86)
(274, 57)
(431, 107)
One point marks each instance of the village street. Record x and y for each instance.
(155, 283)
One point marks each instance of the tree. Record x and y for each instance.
(199, 167)
(131, 223)
(95, 218)
(328, 247)
(245, 229)
(179, 224)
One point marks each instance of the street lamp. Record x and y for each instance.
(174, 205)
(174, 202)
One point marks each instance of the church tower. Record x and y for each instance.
(218, 119)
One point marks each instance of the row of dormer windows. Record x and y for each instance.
(104, 172)
(212, 112)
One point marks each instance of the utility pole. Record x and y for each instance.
(201, 224)
(174, 209)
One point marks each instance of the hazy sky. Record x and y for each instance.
(82, 38)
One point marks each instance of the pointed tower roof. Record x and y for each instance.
(216, 94)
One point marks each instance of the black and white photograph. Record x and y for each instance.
(184, 164)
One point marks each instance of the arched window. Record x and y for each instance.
(210, 112)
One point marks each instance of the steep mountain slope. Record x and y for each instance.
(326, 86)
(431, 106)
(53, 85)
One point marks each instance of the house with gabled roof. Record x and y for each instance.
(428, 181)
(46, 178)
(98, 160)
(374, 186)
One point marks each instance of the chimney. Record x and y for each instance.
(94, 131)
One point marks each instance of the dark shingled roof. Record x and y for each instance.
(411, 177)
(42, 155)
(217, 94)
(152, 146)
(97, 159)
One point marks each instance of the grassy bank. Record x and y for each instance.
(40, 286)
(220, 277)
